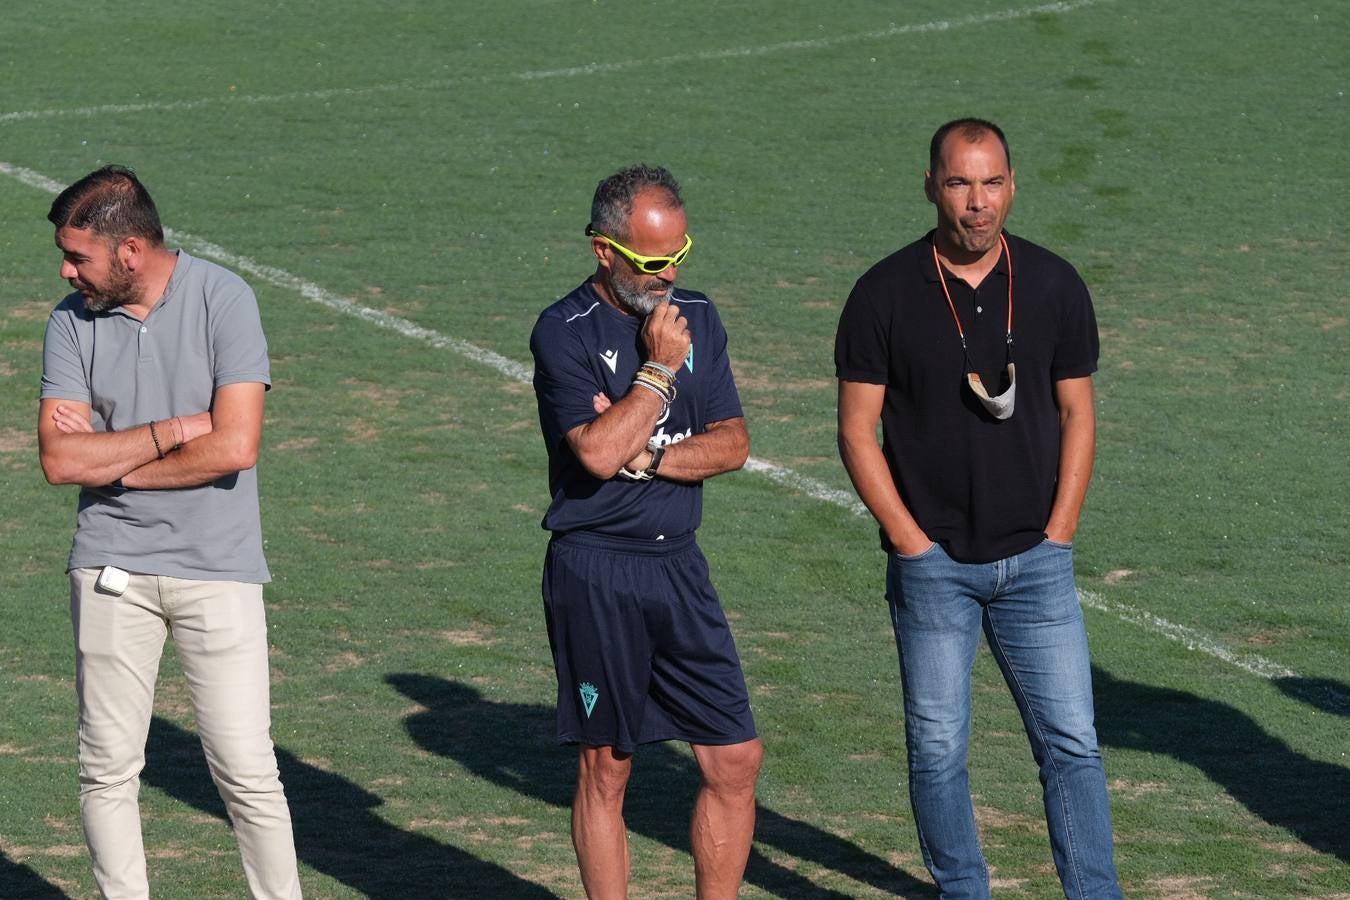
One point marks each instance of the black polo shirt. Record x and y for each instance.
(981, 487)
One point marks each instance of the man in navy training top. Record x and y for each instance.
(975, 350)
(638, 406)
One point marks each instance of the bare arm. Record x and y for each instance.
(859, 413)
(723, 447)
(620, 432)
(1077, 446)
(215, 443)
(231, 446)
(71, 452)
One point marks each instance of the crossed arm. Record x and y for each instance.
(722, 447)
(618, 439)
(215, 443)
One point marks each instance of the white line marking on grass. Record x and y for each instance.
(1004, 15)
(179, 105)
(1187, 637)
(940, 25)
(32, 179)
(807, 486)
(1256, 665)
(309, 290)
(337, 303)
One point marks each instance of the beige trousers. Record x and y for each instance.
(221, 634)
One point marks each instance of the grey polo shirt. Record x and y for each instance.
(204, 333)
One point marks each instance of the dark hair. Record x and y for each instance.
(112, 203)
(613, 203)
(972, 130)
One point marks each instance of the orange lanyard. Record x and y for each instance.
(948, 294)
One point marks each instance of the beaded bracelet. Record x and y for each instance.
(656, 380)
(656, 370)
(666, 389)
(155, 437)
(669, 373)
(665, 400)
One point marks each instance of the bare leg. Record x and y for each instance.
(598, 832)
(723, 825)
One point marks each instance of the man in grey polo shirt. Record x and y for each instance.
(154, 373)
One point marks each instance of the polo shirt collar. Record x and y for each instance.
(929, 267)
(180, 265)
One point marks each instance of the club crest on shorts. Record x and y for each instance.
(589, 694)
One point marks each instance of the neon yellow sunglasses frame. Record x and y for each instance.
(651, 265)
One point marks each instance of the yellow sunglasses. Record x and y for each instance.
(651, 265)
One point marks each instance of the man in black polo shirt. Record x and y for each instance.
(975, 350)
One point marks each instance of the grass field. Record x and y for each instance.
(405, 185)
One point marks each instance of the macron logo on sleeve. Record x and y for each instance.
(611, 359)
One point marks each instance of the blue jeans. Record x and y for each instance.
(1029, 610)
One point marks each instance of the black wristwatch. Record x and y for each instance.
(657, 451)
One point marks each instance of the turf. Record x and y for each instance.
(435, 162)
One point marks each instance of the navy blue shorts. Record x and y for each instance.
(642, 649)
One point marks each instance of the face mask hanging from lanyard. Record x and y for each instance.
(1000, 406)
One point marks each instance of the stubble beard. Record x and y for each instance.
(119, 291)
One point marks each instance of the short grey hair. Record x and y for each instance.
(613, 203)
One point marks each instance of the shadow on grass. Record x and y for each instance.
(512, 745)
(1277, 783)
(1326, 694)
(336, 831)
(20, 882)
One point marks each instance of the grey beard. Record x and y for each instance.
(641, 302)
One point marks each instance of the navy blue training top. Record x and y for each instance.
(583, 346)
